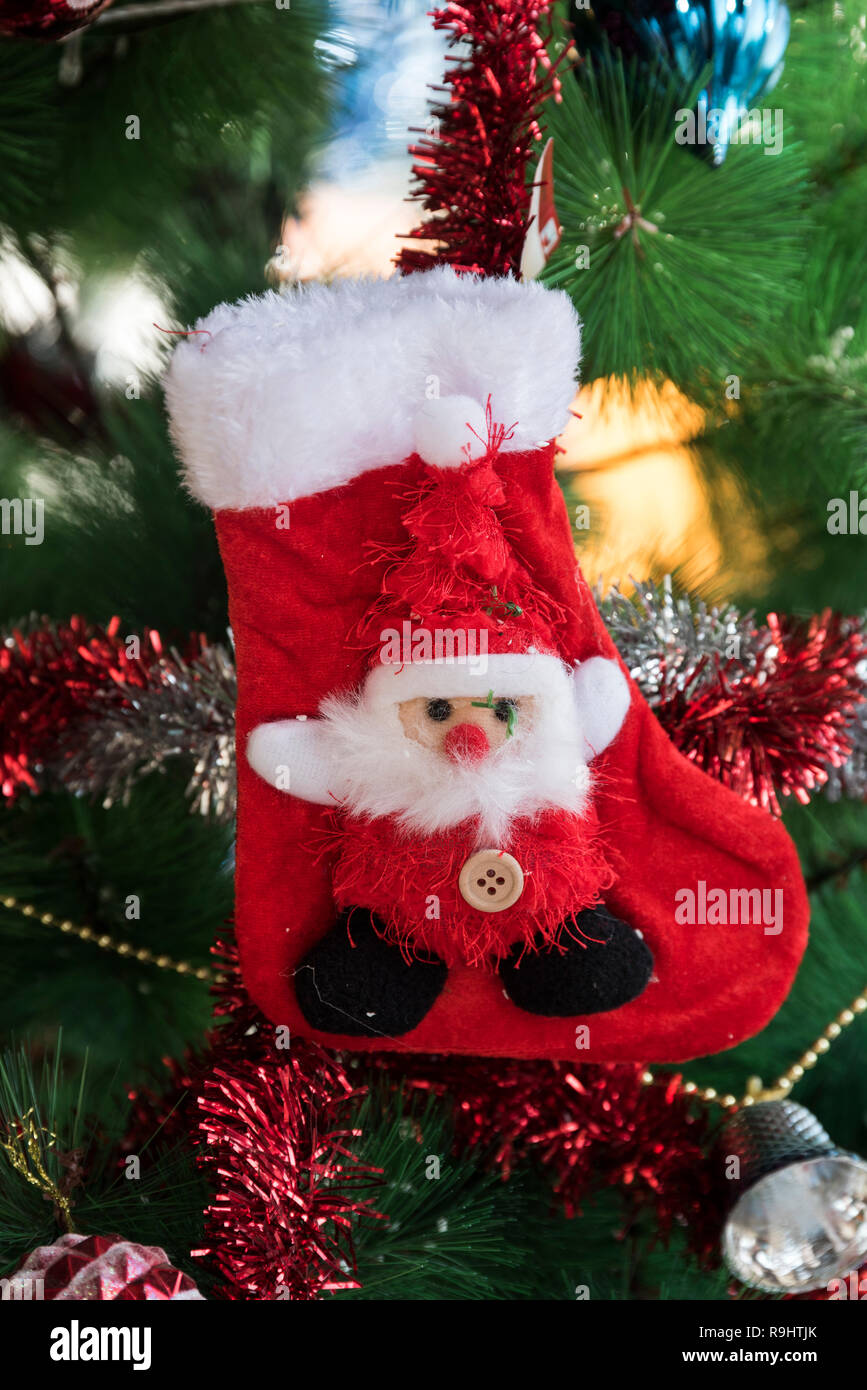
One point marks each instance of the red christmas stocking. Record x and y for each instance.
(460, 828)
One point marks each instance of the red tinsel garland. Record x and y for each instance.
(274, 1133)
(589, 1127)
(56, 677)
(288, 1186)
(472, 164)
(50, 677)
(775, 728)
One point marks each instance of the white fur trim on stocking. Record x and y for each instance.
(288, 394)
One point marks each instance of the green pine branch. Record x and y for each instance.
(148, 874)
(674, 266)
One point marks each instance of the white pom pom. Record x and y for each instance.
(446, 427)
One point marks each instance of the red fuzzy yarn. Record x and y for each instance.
(454, 522)
(397, 875)
(460, 564)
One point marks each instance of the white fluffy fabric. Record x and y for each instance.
(384, 773)
(357, 755)
(288, 394)
(291, 755)
(603, 698)
(447, 428)
(474, 674)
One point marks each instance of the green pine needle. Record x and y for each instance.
(717, 254)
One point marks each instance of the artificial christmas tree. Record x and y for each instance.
(270, 1166)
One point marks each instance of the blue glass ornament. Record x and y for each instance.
(744, 40)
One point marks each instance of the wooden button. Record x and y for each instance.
(491, 880)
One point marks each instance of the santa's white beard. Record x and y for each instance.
(385, 773)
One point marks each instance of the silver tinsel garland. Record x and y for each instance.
(188, 714)
(668, 641)
(664, 638)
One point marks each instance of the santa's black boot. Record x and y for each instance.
(355, 983)
(588, 977)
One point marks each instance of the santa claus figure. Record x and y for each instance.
(466, 831)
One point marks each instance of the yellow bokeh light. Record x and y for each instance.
(630, 460)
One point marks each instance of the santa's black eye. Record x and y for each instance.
(438, 710)
(505, 710)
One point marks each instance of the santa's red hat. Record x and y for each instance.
(313, 423)
(459, 615)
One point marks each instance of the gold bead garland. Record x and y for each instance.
(23, 1143)
(106, 942)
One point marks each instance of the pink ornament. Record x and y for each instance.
(99, 1269)
(47, 19)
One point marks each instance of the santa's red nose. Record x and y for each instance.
(466, 743)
